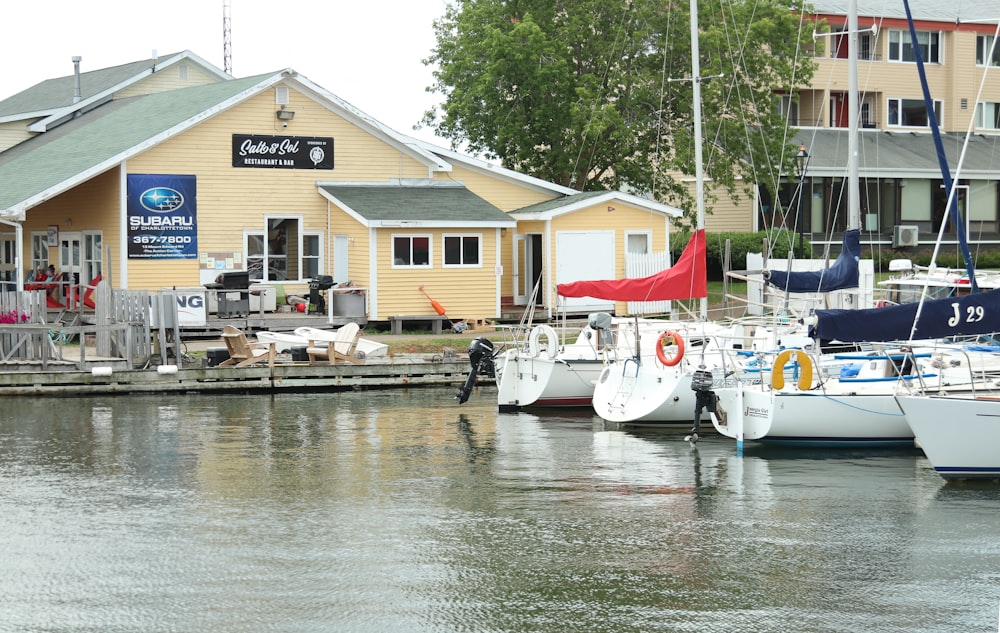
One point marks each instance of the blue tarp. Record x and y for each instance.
(842, 274)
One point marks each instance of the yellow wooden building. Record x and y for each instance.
(167, 173)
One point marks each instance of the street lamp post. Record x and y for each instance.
(801, 162)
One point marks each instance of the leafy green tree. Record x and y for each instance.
(596, 94)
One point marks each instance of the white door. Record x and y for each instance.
(70, 260)
(527, 267)
(585, 255)
(340, 272)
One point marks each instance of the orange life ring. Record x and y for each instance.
(667, 339)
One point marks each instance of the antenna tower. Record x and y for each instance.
(227, 45)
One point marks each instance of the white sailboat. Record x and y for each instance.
(646, 389)
(959, 434)
(535, 369)
(830, 409)
(817, 408)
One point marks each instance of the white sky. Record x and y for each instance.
(367, 52)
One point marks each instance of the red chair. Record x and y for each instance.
(55, 283)
(88, 292)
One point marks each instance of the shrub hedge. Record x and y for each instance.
(781, 242)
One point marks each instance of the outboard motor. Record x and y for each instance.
(480, 352)
(601, 323)
(704, 398)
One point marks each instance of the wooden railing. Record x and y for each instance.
(119, 325)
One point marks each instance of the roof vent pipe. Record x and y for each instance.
(77, 91)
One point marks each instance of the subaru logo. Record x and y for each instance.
(161, 199)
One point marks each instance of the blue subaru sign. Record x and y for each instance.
(162, 217)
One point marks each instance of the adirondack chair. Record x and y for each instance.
(342, 347)
(242, 352)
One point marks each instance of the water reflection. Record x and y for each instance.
(374, 511)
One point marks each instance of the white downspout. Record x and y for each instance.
(122, 228)
(550, 294)
(373, 279)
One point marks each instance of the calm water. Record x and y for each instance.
(403, 511)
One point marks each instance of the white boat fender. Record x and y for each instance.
(551, 341)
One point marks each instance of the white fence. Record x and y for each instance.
(639, 265)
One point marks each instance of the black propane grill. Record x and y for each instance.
(237, 302)
(317, 285)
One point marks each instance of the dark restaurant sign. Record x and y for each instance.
(282, 152)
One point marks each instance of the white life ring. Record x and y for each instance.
(551, 341)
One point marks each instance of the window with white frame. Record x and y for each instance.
(988, 115)
(411, 251)
(312, 262)
(283, 252)
(910, 112)
(638, 242)
(985, 49)
(901, 46)
(462, 250)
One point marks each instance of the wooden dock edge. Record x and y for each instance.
(260, 378)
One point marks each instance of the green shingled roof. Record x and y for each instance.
(900, 153)
(42, 163)
(556, 203)
(441, 203)
(938, 10)
(58, 93)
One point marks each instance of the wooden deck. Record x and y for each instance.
(418, 370)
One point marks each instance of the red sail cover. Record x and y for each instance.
(686, 279)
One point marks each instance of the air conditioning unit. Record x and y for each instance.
(905, 235)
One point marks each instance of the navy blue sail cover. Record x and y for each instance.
(842, 274)
(977, 313)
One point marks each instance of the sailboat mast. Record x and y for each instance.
(853, 107)
(699, 176)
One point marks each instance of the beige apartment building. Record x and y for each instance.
(902, 197)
